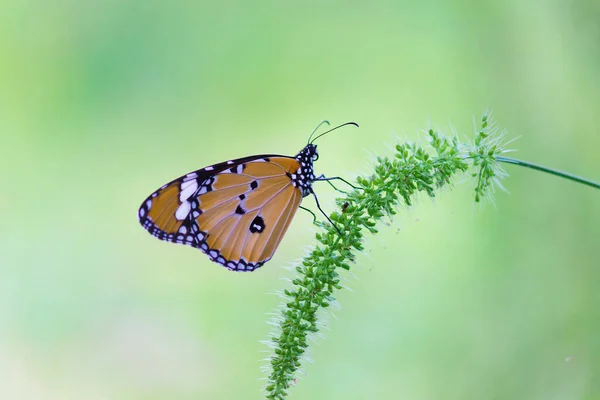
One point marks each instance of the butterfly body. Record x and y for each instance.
(237, 211)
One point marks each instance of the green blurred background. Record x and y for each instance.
(102, 102)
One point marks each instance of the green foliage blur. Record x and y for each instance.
(102, 102)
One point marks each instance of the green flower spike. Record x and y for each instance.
(394, 182)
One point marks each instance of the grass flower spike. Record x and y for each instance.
(395, 181)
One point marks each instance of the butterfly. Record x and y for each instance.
(237, 211)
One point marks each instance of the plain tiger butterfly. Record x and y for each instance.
(237, 211)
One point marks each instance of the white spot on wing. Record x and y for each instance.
(183, 210)
(190, 176)
(209, 168)
(187, 190)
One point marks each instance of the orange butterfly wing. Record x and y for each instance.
(236, 212)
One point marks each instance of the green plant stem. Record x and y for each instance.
(550, 171)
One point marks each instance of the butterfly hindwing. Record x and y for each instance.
(236, 212)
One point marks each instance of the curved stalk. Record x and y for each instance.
(550, 171)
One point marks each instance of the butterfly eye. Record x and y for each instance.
(315, 157)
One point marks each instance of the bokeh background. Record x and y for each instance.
(101, 102)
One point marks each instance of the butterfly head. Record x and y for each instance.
(310, 152)
(304, 175)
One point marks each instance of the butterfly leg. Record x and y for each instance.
(328, 180)
(323, 212)
(312, 213)
(335, 188)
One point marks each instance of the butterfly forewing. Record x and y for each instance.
(236, 212)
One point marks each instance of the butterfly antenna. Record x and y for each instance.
(317, 128)
(333, 129)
